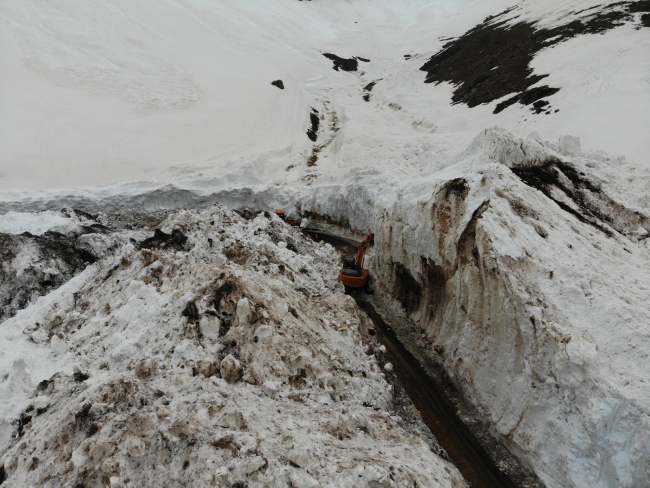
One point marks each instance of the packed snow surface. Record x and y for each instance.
(218, 352)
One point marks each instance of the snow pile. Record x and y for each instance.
(38, 224)
(40, 252)
(216, 351)
(527, 275)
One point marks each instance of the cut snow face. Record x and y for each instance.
(526, 277)
(493, 59)
(233, 359)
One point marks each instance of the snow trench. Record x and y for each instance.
(523, 269)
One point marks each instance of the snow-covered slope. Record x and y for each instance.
(218, 354)
(113, 91)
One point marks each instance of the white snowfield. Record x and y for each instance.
(236, 362)
(115, 91)
(527, 234)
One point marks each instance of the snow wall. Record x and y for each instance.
(505, 261)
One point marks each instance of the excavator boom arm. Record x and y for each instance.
(362, 250)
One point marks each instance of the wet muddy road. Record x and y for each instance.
(474, 463)
(437, 412)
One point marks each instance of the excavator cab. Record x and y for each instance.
(353, 275)
(348, 267)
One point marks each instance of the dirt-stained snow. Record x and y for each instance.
(535, 300)
(220, 352)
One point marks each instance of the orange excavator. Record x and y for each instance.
(290, 221)
(353, 275)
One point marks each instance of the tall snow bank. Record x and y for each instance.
(534, 297)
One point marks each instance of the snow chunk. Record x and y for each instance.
(231, 369)
(210, 326)
(302, 479)
(133, 447)
(569, 145)
(244, 311)
(264, 331)
(58, 345)
(581, 352)
(37, 223)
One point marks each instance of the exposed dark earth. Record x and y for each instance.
(344, 64)
(315, 121)
(367, 89)
(57, 259)
(492, 60)
(574, 193)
